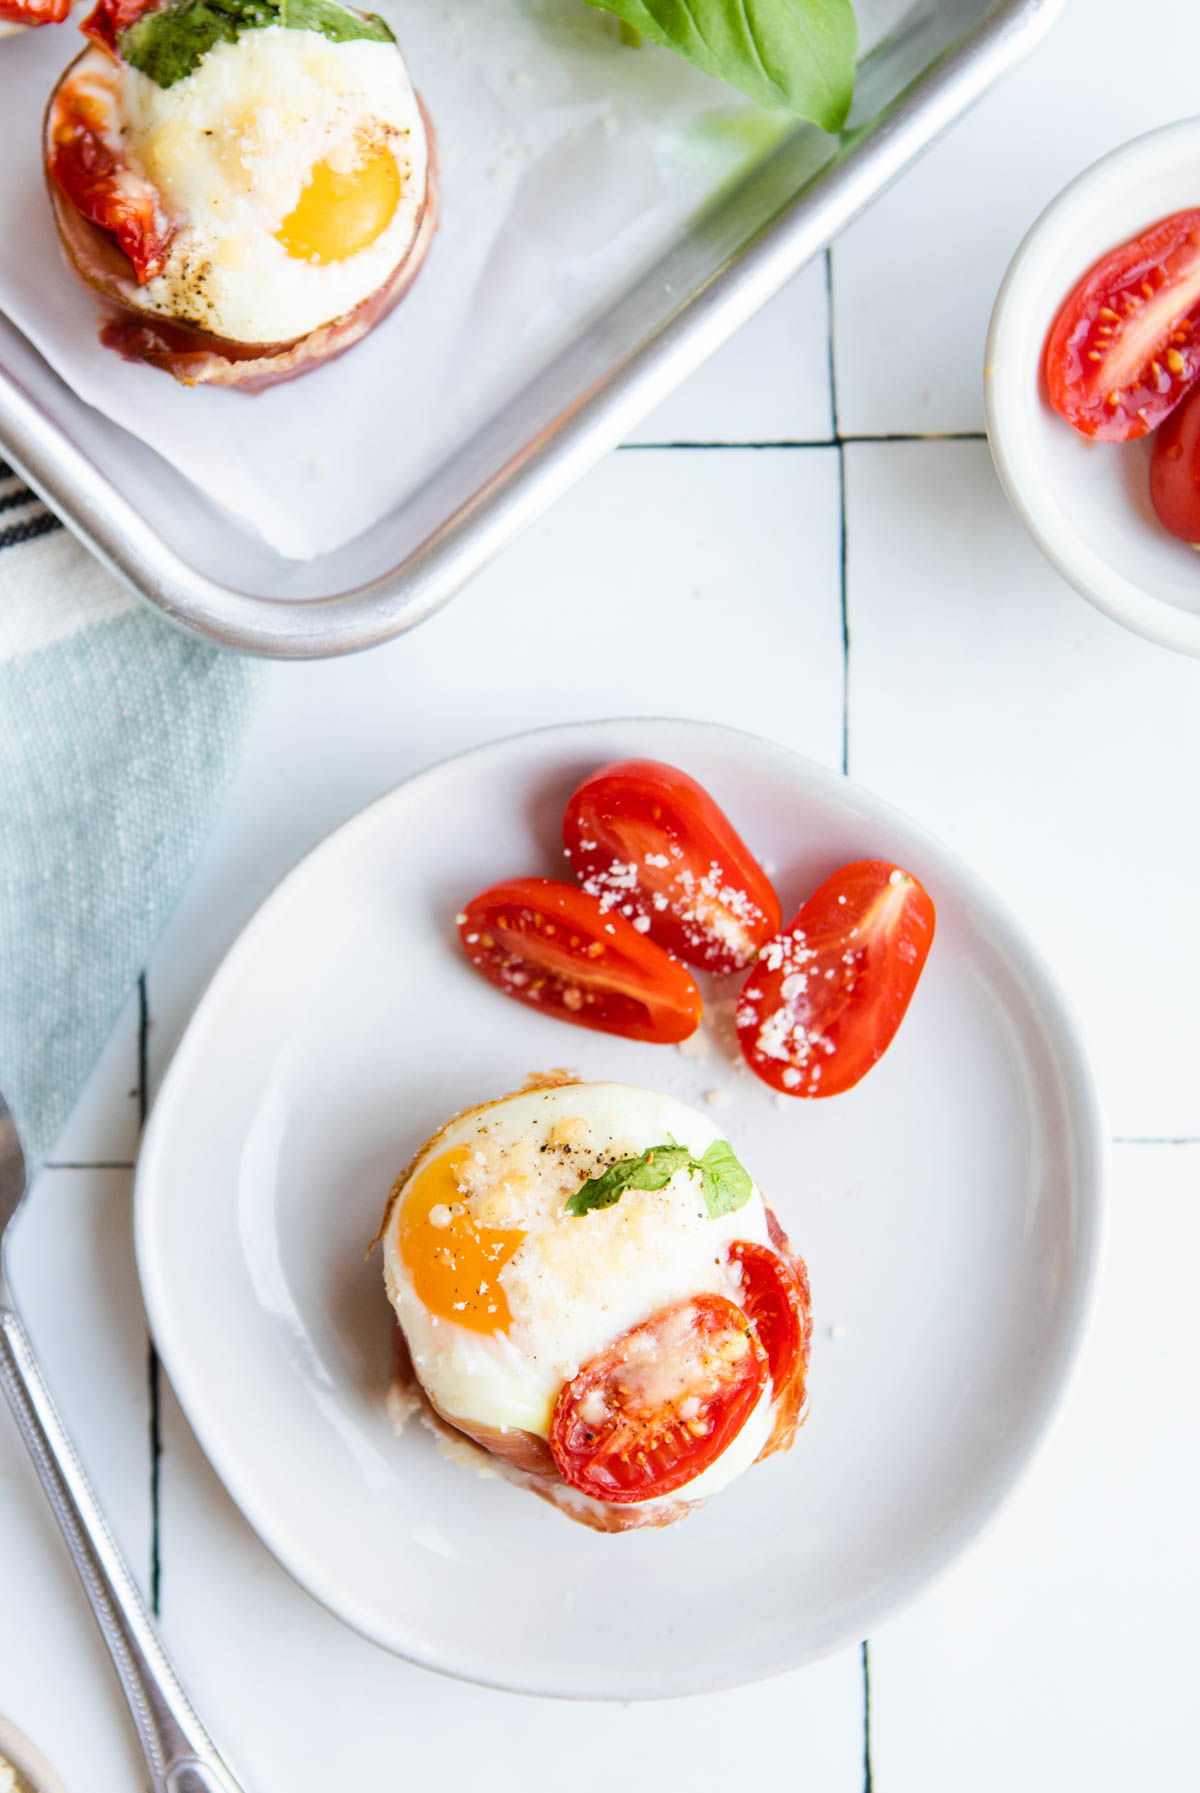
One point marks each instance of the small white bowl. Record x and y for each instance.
(32, 1768)
(1087, 504)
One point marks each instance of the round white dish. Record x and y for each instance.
(1087, 504)
(31, 1766)
(948, 1210)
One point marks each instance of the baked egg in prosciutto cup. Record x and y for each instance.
(593, 1299)
(249, 185)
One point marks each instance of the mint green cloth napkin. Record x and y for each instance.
(118, 735)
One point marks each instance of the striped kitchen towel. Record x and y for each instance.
(118, 735)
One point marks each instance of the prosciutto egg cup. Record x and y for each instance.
(247, 208)
(593, 1300)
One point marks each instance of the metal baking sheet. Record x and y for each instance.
(185, 556)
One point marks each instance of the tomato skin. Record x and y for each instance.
(109, 17)
(1175, 471)
(82, 163)
(34, 12)
(710, 903)
(776, 1304)
(615, 1443)
(1125, 346)
(775, 1297)
(552, 947)
(827, 995)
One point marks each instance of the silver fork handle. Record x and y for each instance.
(180, 1756)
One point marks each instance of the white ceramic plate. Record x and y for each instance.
(1087, 504)
(947, 1209)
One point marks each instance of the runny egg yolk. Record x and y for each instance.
(455, 1264)
(345, 204)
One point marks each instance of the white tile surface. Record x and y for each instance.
(1056, 751)
(770, 382)
(914, 279)
(679, 583)
(73, 1274)
(306, 1705)
(1059, 1654)
(102, 1128)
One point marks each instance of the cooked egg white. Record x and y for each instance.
(503, 1296)
(293, 170)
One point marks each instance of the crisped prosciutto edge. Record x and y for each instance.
(195, 357)
(524, 1459)
(791, 1410)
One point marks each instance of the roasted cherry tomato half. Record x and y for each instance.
(110, 17)
(776, 1301)
(1175, 471)
(655, 1408)
(553, 947)
(651, 843)
(110, 195)
(34, 12)
(776, 1304)
(827, 995)
(1125, 346)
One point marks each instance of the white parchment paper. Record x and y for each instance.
(568, 161)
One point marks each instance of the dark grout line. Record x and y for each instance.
(88, 1164)
(153, 1374)
(830, 355)
(143, 1082)
(868, 1776)
(153, 1379)
(1134, 1139)
(786, 443)
(831, 364)
(734, 447)
(844, 591)
(918, 436)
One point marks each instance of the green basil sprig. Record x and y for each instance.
(170, 43)
(724, 1183)
(791, 55)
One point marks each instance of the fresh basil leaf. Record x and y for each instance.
(652, 1170)
(336, 22)
(170, 43)
(726, 1184)
(791, 55)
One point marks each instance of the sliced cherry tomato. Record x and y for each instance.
(657, 1407)
(34, 12)
(1125, 347)
(91, 174)
(776, 1304)
(650, 842)
(553, 946)
(112, 16)
(1175, 471)
(827, 995)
